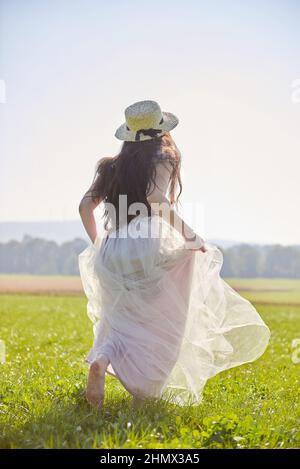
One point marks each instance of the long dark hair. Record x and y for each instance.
(132, 172)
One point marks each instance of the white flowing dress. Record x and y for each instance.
(162, 314)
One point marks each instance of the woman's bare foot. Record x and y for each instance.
(95, 384)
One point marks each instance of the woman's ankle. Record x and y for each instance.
(101, 363)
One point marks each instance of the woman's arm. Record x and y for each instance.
(86, 210)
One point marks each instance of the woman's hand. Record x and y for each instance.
(195, 244)
(202, 249)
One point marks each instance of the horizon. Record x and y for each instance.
(60, 238)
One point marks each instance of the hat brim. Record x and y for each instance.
(169, 123)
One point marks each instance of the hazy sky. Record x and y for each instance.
(227, 69)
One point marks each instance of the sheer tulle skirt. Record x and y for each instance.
(162, 314)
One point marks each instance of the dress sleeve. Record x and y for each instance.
(162, 178)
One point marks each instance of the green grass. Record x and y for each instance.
(42, 403)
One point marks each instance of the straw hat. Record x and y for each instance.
(144, 121)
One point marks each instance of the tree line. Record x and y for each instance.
(43, 257)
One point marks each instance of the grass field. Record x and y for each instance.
(47, 336)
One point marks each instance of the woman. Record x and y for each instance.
(164, 320)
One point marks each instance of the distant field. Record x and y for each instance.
(13, 283)
(47, 337)
(268, 290)
(260, 290)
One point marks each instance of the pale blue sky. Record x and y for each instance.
(225, 68)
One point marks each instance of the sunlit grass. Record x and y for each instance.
(42, 384)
